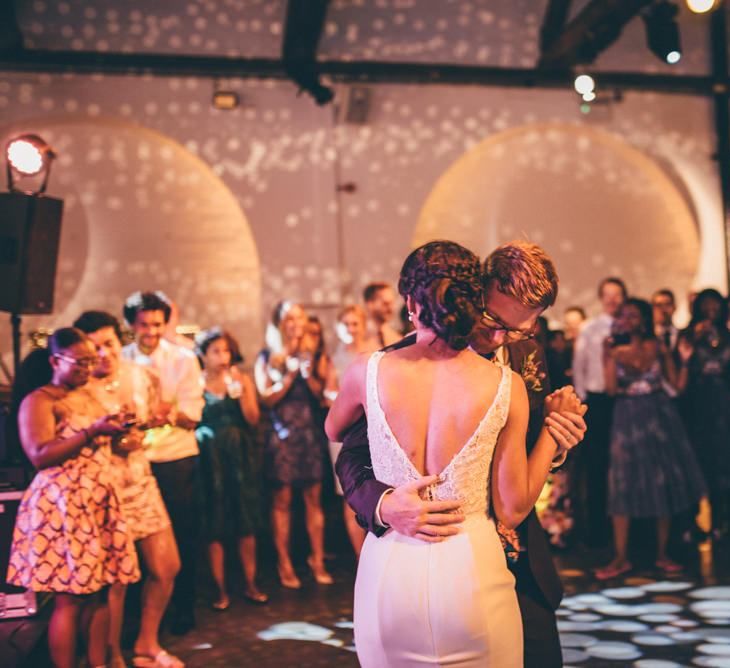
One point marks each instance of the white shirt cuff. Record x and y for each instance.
(378, 519)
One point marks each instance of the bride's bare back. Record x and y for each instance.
(434, 398)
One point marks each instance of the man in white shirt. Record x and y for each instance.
(590, 385)
(171, 446)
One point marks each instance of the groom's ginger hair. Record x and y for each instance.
(522, 270)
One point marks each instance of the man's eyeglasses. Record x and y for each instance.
(511, 335)
(88, 362)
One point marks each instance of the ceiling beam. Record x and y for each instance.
(343, 71)
(556, 14)
(303, 26)
(594, 29)
(11, 37)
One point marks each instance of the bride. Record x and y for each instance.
(437, 407)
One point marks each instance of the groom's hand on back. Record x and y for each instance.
(407, 513)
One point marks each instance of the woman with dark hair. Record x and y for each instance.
(124, 387)
(291, 389)
(704, 379)
(70, 535)
(432, 599)
(653, 472)
(229, 461)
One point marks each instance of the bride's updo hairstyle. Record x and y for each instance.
(443, 278)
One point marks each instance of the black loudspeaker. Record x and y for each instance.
(30, 230)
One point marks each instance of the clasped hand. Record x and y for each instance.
(564, 418)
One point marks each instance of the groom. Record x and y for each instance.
(520, 282)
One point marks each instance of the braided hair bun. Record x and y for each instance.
(444, 279)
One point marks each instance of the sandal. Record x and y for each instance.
(289, 579)
(161, 660)
(256, 597)
(668, 567)
(609, 572)
(221, 605)
(321, 576)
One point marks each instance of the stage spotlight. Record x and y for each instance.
(662, 31)
(700, 6)
(584, 84)
(28, 155)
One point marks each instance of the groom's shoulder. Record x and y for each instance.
(403, 343)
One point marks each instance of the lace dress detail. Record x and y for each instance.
(450, 603)
(466, 477)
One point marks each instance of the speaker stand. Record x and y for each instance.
(15, 320)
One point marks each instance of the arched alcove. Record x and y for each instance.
(143, 212)
(598, 205)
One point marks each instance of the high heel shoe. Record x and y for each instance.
(289, 579)
(321, 576)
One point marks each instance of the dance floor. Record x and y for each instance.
(643, 619)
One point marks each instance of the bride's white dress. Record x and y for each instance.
(451, 603)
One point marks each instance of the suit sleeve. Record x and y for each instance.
(355, 471)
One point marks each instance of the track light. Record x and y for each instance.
(662, 31)
(700, 6)
(28, 155)
(584, 84)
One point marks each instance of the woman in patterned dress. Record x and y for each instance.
(653, 471)
(292, 390)
(123, 386)
(70, 535)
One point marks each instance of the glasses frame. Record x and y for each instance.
(89, 363)
(511, 334)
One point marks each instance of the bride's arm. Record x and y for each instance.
(348, 406)
(517, 479)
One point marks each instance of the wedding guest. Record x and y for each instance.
(171, 447)
(353, 341)
(559, 359)
(406, 323)
(71, 537)
(123, 387)
(229, 459)
(379, 299)
(663, 308)
(574, 318)
(653, 472)
(591, 463)
(704, 378)
(313, 345)
(291, 391)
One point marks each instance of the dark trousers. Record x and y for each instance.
(178, 483)
(592, 469)
(539, 626)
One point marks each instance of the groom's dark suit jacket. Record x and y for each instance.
(363, 491)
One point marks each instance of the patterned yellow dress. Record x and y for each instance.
(134, 389)
(70, 535)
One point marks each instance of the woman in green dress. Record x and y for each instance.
(229, 462)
